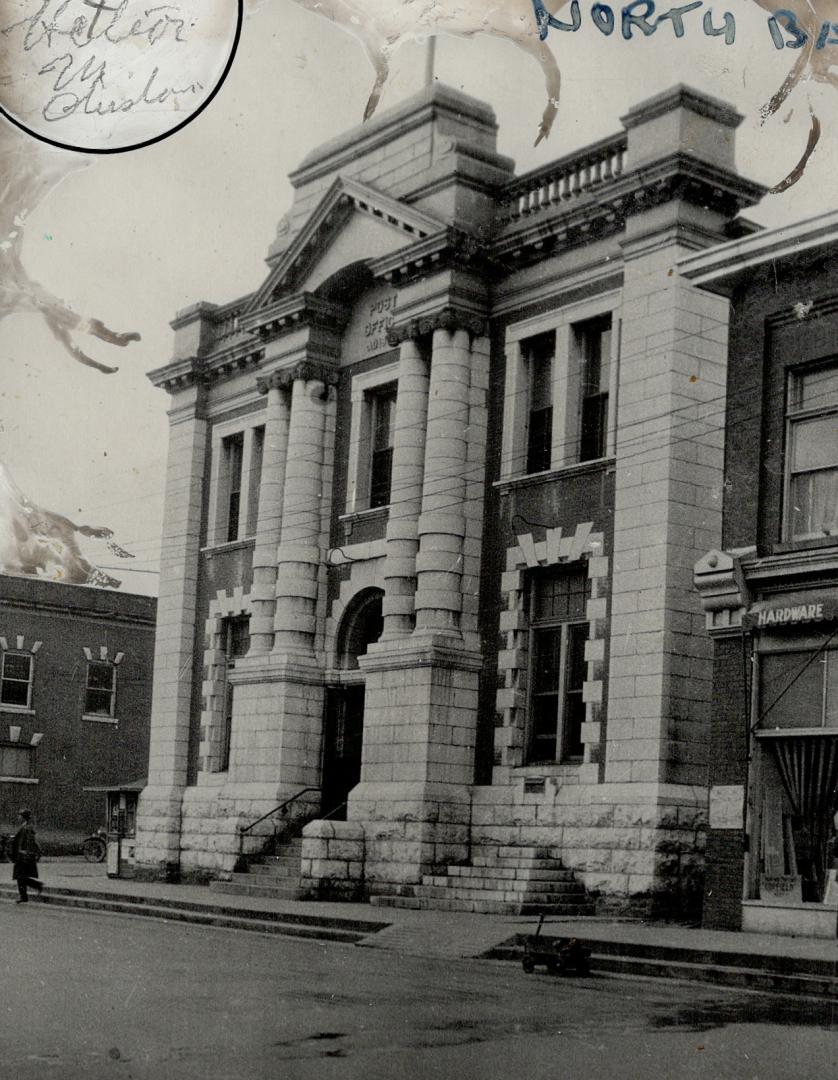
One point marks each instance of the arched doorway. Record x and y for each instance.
(344, 723)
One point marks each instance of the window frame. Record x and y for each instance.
(567, 627)
(567, 388)
(100, 717)
(386, 393)
(794, 416)
(12, 706)
(366, 386)
(231, 652)
(16, 778)
(251, 429)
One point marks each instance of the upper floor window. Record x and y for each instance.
(558, 632)
(539, 354)
(233, 450)
(561, 374)
(382, 418)
(237, 452)
(593, 341)
(812, 454)
(100, 689)
(16, 679)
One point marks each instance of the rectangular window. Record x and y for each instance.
(100, 690)
(236, 638)
(539, 354)
(17, 761)
(558, 667)
(797, 694)
(16, 679)
(593, 339)
(233, 450)
(254, 480)
(812, 455)
(382, 434)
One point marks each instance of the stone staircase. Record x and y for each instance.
(274, 877)
(501, 881)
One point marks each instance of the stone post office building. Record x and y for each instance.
(435, 492)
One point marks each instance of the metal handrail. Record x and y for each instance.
(276, 810)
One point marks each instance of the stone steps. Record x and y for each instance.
(504, 881)
(271, 877)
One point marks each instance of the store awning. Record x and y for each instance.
(792, 609)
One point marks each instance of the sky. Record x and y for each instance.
(134, 237)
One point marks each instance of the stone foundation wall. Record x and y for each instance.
(635, 847)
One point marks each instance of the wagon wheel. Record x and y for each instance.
(554, 965)
(94, 850)
(583, 966)
(528, 965)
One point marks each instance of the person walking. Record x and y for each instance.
(25, 852)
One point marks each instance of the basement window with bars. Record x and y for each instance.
(558, 632)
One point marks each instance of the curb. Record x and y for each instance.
(290, 924)
(747, 971)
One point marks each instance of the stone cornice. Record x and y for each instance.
(720, 112)
(307, 370)
(445, 248)
(304, 309)
(451, 318)
(179, 374)
(604, 208)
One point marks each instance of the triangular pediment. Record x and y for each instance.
(351, 223)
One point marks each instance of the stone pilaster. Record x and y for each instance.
(158, 823)
(274, 457)
(405, 491)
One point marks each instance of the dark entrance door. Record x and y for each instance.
(344, 736)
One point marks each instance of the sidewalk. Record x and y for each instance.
(760, 961)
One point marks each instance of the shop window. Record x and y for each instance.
(797, 693)
(236, 642)
(812, 455)
(382, 421)
(16, 761)
(593, 341)
(16, 679)
(100, 689)
(539, 355)
(557, 667)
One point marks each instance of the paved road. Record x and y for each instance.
(103, 997)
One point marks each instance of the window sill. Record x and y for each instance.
(19, 780)
(228, 545)
(548, 768)
(789, 546)
(18, 710)
(364, 515)
(581, 468)
(112, 720)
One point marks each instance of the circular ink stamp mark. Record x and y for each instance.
(106, 76)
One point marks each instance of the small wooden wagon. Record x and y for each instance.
(556, 954)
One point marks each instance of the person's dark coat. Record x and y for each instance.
(25, 853)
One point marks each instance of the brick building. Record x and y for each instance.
(75, 701)
(433, 504)
(770, 591)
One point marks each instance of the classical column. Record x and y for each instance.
(405, 491)
(274, 457)
(299, 555)
(441, 529)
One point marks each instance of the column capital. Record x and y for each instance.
(306, 370)
(450, 317)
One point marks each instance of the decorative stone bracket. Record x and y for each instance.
(721, 585)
